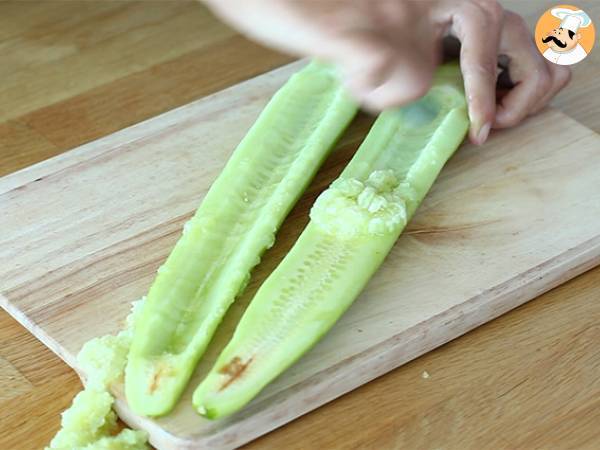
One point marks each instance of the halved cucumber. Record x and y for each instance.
(235, 223)
(353, 226)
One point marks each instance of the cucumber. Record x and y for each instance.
(90, 423)
(353, 226)
(237, 220)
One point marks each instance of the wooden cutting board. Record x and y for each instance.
(83, 234)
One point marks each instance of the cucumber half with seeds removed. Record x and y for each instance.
(353, 226)
(235, 223)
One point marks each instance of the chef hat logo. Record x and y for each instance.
(571, 20)
(565, 35)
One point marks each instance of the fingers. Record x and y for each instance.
(388, 52)
(382, 76)
(388, 62)
(536, 80)
(384, 49)
(400, 84)
(560, 75)
(477, 26)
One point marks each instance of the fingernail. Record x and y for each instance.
(483, 134)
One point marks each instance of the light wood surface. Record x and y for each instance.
(92, 226)
(531, 375)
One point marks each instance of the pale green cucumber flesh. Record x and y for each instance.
(353, 226)
(236, 222)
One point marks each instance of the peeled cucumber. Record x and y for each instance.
(237, 220)
(353, 226)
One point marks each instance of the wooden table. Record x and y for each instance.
(73, 71)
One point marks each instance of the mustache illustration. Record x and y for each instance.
(556, 41)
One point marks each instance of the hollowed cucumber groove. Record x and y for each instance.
(235, 223)
(353, 226)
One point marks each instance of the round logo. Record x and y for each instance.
(565, 35)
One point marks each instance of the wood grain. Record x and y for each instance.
(521, 342)
(126, 61)
(92, 226)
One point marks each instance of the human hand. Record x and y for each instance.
(388, 49)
